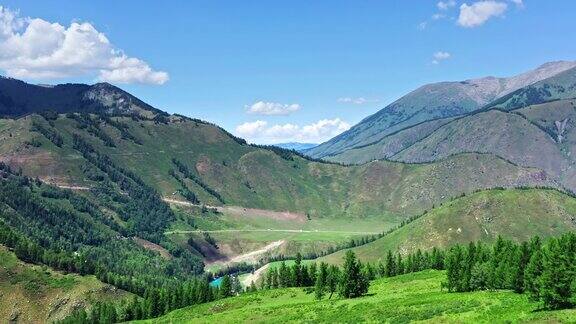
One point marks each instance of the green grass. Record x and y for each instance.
(412, 297)
(482, 216)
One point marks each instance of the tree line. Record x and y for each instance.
(546, 272)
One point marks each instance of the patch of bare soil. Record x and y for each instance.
(252, 256)
(253, 212)
(153, 247)
(203, 165)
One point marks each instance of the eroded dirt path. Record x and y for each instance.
(253, 277)
(251, 256)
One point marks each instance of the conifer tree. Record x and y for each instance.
(559, 264)
(522, 259)
(226, 287)
(390, 269)
(333, 279)
(237, 286)
(399, 264)
(297, 271)
(321, 281)
(352, 282)
(285, 278)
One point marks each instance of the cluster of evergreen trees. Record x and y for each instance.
(350, 281)
(547, 272)
(184, 191)
(49, 133)
(91, 125)
(153, 302)
(182, 168)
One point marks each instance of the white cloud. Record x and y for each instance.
(519, 3)
(445, 5)
(356, 101)
(37, 49)
(272, 108)
(478, 13)
(261, 132)
(438, 16)
(440, 56)
(251, 129)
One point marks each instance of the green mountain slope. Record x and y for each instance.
(526, 137)
(34, 294)
(482, 216)
(412, 297)
(248, 176)
(433, 101)
(390, 145)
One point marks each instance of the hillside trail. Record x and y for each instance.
(253, 277)
(251, 256)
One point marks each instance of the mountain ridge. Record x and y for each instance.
(18, 98)
(434, 101)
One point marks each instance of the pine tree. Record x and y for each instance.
(522, 259)
(321, 281)
(390, 269)
(297, 271)
(437, 259)
(532, 275)
(399, 264)
(285, 278)
(455, 269)
(312, 273)
(237, 286)
(333, 279)
(352, 282)
(381, 269)
(226, 287)
(559, 263)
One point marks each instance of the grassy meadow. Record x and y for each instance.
(402, 299)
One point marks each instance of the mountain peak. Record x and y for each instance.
(18, 98)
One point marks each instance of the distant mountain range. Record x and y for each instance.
(444, 100)
(300, 147)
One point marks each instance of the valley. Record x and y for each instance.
(140, 187)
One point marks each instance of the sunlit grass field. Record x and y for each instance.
(402, 299)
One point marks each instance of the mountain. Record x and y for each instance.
(147, 201)
(18, 98)
(300, 147)
(540, 136)
(560, 86)
(533, 127)
(434, 101)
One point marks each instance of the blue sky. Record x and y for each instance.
(277, 71)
